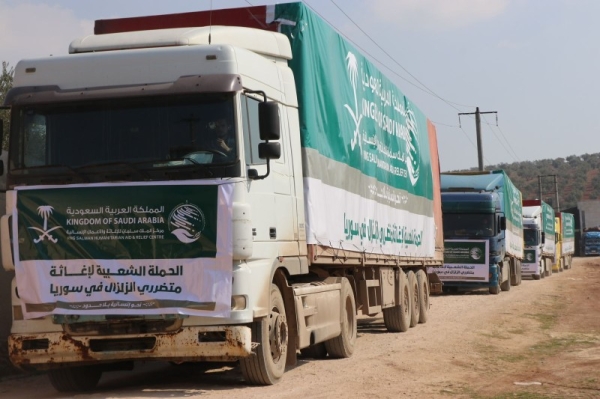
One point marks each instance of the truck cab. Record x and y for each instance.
(482, 249)
(591, 242)
(539, 237)
(474, 218)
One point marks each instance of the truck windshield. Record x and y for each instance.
(531, 237)
(193, 134)
(468, 225)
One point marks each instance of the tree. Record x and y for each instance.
(6, 82)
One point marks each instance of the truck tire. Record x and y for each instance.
(495, 290)
(266, 365)
(536, 276)
(513, 276)
(543, 273)
(423, 295)
(505, 285)
(342, 346)
(414, 298)
(516, 274)
(75, 379)
(397, 318)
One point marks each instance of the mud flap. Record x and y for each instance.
(435, 284)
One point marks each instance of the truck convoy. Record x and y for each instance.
(136, 231)
(483, 231)
(591, 241)
(566, 221)
(539, 237)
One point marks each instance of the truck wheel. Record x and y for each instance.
(423, 295)
(414, 296)
(342, 346)
(519, 272)
(505, 285)
(495, 290)
(397, 318)
(543, 272)
(266, 365)
(75, 379)
(514, 277)
(536, 276)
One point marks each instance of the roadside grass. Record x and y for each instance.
(469, 392)
(555, 345)
(590, 382)
(546, 320)
(517, 331)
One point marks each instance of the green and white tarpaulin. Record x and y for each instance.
(548, 227)
(513, 211)
(136, 248)
(366, 155)
(568, 233)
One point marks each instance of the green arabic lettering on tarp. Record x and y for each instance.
(548, 220)
(568, 226)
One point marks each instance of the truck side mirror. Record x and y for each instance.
(268, 120)
(269, 151)
(503, 223)
(543, 237)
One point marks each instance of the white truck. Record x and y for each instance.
(539, 237)
(131, 238)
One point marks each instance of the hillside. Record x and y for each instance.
(578, 178)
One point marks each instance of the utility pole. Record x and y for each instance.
(477, 114)
(555, 190)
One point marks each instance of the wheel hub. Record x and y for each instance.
(278, 336)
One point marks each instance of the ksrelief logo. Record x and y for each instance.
(476, 253)
(186, 222)
(412, 144)
(45, 211)
(529, 257)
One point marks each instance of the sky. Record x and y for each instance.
(535, 63)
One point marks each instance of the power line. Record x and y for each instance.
(375, 58)
(510, 152)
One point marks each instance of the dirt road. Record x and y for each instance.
(540, 340)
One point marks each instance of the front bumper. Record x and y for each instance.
(48, 350)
